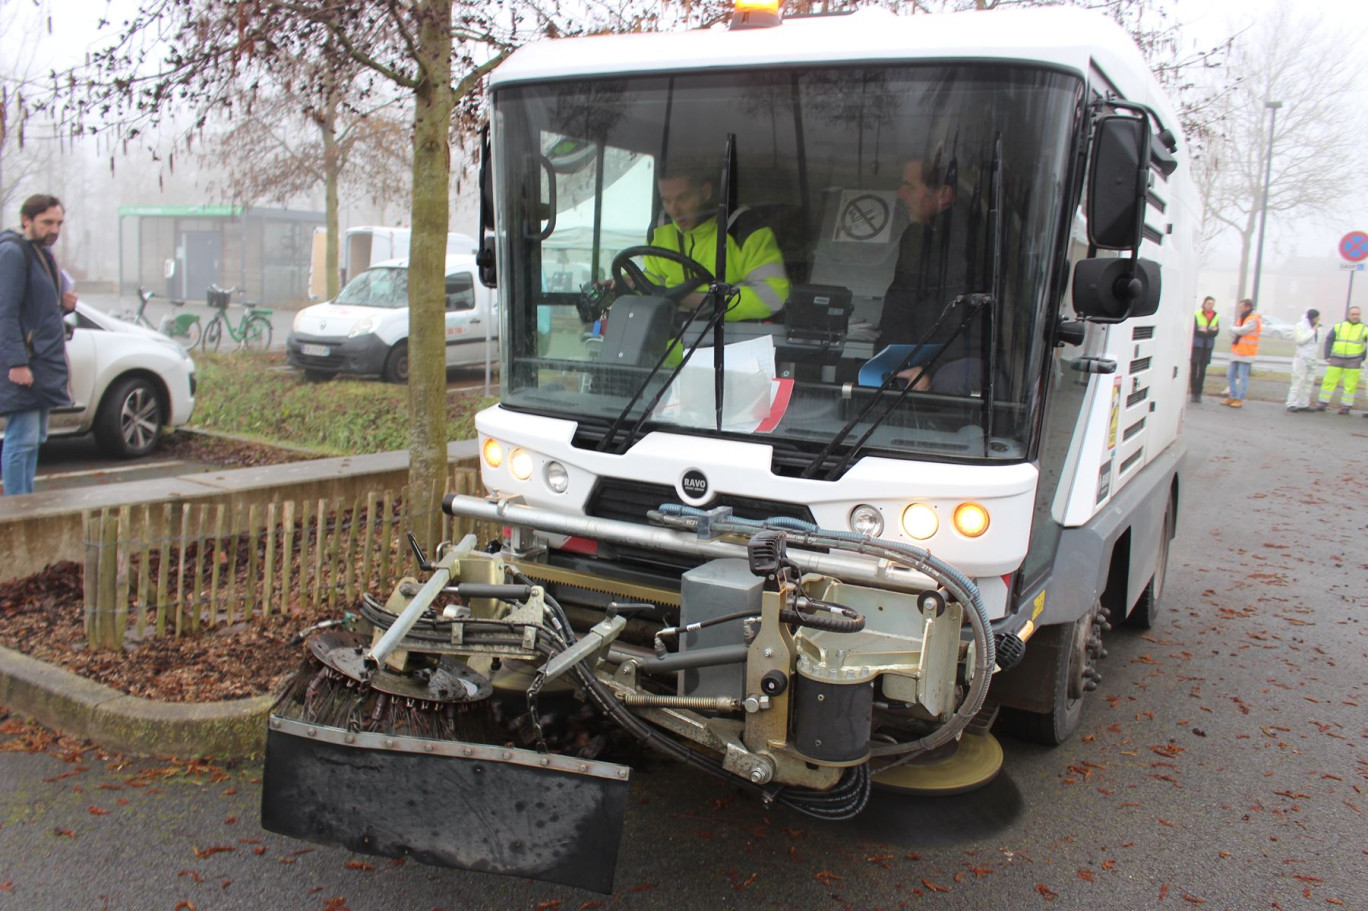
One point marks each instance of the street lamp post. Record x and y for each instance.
(1272, 107)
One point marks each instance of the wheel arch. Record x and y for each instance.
(142, 373)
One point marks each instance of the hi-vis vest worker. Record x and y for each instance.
(1348, 341)
(754, 262)
(1208, 325)
(1247, 345)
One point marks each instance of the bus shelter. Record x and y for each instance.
(179, 251)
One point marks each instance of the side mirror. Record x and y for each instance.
(485, 262)
(1113, 290)
(1118, 182)
(484, 257)
(70, 321)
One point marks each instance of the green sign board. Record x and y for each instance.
(183, 211)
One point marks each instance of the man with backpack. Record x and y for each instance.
(33, 364)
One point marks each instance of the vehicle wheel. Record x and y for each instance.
(213, 336)
(1146, 611)
(191, 336)
(258, 334)
(396, 364)
(1070, 652)
(129, 419)
(318, 376)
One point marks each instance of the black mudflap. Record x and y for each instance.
(465, 805)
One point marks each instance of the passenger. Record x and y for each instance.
(754, 263)
(929, 272)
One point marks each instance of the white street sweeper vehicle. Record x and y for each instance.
(811, 500)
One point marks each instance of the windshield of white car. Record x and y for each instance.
(864, 197)
(383, 286)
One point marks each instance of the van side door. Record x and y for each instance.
(466, 322)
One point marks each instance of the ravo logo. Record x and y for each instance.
(694, 485)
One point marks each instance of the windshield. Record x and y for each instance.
(893, 247)
(384, 286)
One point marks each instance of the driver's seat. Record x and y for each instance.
(637, 330)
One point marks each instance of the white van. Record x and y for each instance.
(365, 329)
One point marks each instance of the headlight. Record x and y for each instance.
(520, 464)
(866, 520)
(493, 452)
(971, 519)
(557, 478)
(364, 327)
(920, 521)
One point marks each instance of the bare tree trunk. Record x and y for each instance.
(427, 272)
(332, 170)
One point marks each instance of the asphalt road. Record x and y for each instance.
(1222, 763)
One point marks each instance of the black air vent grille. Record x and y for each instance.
(629, 501)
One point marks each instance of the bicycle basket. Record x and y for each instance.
(218, 299)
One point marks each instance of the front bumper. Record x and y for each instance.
(362, 354)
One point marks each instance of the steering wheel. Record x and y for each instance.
(628, 277)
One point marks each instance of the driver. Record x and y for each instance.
(754, 263)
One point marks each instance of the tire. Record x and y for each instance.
(1068, 651)
(191, 338)
(213, 336)
(130, 419)
(1150, 606)
(318, 376)
(257, 335)
(396, 368)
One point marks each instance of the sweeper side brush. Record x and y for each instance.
(446, 702)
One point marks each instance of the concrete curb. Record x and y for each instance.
(127, 724)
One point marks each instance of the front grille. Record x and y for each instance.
(629, 501)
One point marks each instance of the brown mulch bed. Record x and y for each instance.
(199, 447)
(43, 617)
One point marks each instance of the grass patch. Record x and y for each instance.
(254, 394)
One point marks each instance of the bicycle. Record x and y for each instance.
(253, 330)
(183, 328)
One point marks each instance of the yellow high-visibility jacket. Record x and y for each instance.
(754, 262)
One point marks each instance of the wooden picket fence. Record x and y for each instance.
(178, 569)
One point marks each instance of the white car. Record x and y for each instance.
(1275, 327)
(366, 328)
(127, 382)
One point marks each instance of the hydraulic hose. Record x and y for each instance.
(911, 557)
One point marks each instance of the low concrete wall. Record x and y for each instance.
(46, 527)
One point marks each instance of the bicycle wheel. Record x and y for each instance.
(257, 333)
(189, 336)
(213, 335)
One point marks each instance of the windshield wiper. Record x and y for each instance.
(972, 304)
(995, 285)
